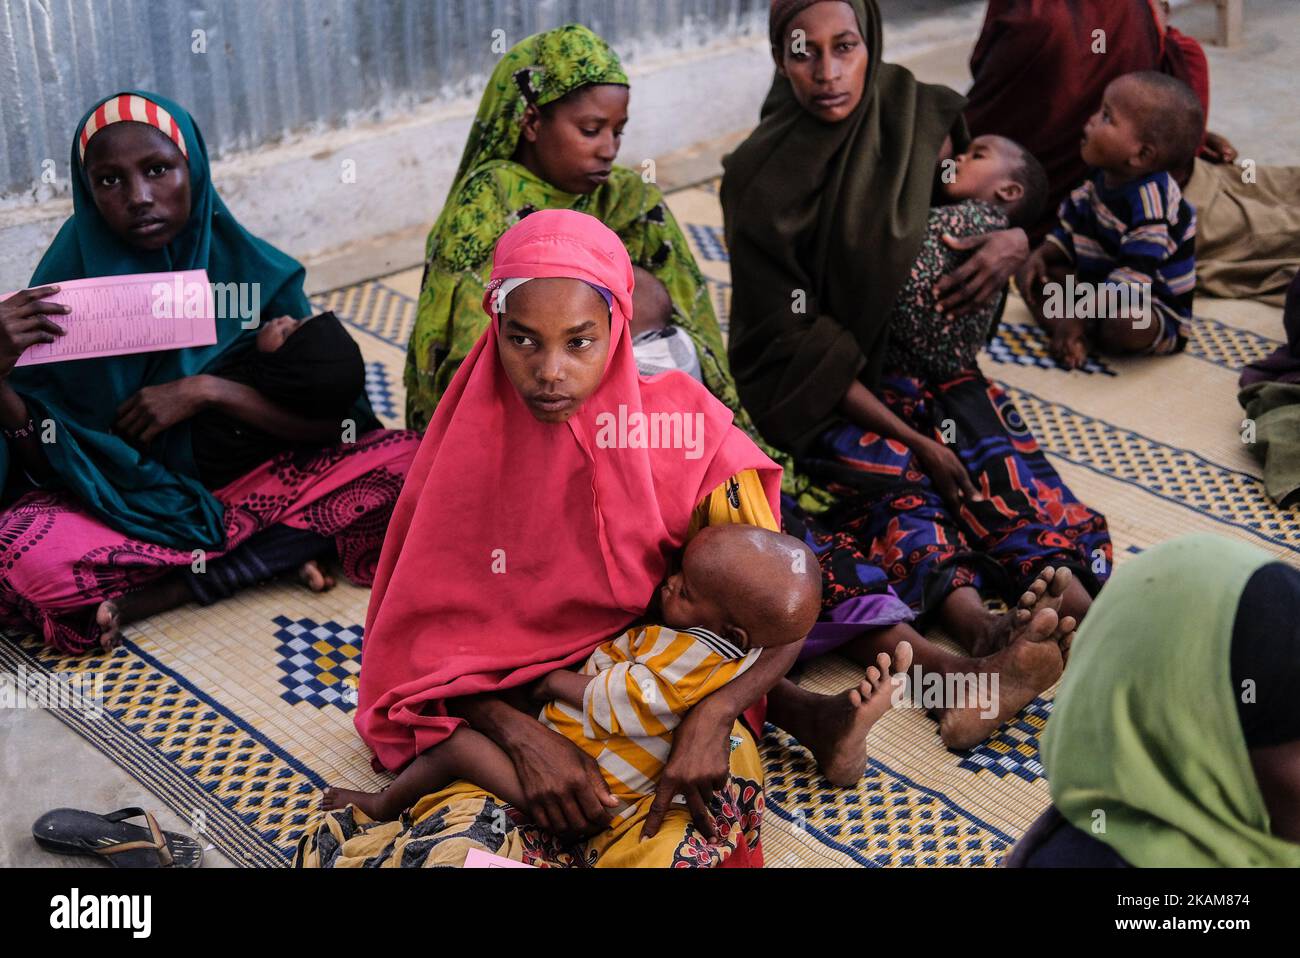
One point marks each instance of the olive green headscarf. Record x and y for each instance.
(540, 69)
(836, 212)
(492, 192)
(1145, 750)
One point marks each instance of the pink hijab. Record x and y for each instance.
(518, 546)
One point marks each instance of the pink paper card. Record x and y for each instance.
(140, 313)
(477, 858)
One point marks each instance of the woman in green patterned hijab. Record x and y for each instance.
(545, 137)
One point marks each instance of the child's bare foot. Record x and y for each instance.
(372, 803)
(108, 621)
(1069, 343)
(1047, 591)
(840, 745)
(314, 577)
(1030, 663)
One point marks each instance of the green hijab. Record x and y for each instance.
(152, 496)
(836, 211)
(539, 69)
(1145, 726)
(492, 192)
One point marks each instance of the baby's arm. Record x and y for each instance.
(632, 690)
(569, 687)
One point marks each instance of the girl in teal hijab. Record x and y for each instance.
(119, 514)
(149, 494)
(1175, 737)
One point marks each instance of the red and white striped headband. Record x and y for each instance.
(128, 107)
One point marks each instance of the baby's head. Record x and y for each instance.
(1001, 172)
(1147, 122)
(753, 587)
(276, 333)
(310, 366)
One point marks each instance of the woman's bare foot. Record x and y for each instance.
(314, 577)
(839, 742)
(1067, 642)
(372, 803)
(108, 621)
(1030, 663)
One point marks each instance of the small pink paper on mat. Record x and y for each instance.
(140, 313)
(477, 858)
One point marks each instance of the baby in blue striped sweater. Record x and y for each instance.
(1119, 270)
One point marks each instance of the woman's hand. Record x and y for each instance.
(947, 472)
(155, 409)
(24, 323)
(1219, 149)
(563, 788)
(997, 257)
(698, 766)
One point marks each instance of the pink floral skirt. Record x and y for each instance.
(58, 562)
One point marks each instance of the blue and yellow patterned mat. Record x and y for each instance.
(236, 716)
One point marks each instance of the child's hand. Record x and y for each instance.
(1031, 277)
(1219, 149)
(947, 472)
(1069, 345)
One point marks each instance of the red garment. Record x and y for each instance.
(517, 546)
(744, 856)
(1037, 79)
(1183, 58)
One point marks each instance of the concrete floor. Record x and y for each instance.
(44, 765)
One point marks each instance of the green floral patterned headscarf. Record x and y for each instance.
(492, 193)
(541, 69)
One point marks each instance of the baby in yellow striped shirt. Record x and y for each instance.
(739, 589)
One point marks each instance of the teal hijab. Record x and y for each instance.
(151, 495)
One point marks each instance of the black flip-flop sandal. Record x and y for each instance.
(71, 831)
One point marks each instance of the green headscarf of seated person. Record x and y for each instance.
(493, 191)
(1146, 750)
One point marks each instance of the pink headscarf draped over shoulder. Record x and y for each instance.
(518, 546)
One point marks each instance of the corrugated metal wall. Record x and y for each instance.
(273, 67)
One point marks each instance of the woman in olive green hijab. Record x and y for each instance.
(1175, 738)
(547, 131)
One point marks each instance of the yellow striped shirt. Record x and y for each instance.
(646, 680)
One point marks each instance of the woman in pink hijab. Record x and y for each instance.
(524, 537)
